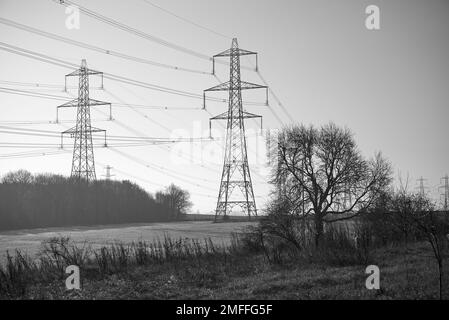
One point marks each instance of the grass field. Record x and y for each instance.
(29, 241)
(232, 271)
(249, 276)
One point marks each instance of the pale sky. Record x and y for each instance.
(389, 86)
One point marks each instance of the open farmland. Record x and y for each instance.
(29, 241)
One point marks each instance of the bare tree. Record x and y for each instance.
(177, 200)
(20, 176)
(415, 214)
(324, 175)
(435, 231)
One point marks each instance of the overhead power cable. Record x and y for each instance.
(162, 168)
(96, 48)
(33, 94)
(187, 20)
(148, 165)
(116, 138)
(34, 154)
(68, 65)
(115, 104)
(134, 31)
(41, 85)
(141, 34)
(155, 183)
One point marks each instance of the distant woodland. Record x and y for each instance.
(47, 200)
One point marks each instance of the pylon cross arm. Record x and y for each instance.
(225, 116)
(78, 72)
(249, 115)
(73, 130)
(234, 52)
(221, 116)
(226, 86)
(70, 104)
(93, 102)
(93, 129)
(69, 131)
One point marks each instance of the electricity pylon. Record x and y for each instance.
(282, 178)
(108, 174)
(83, 162)
(445, 193)
(236, 173)
(347, 197)
(421, 187)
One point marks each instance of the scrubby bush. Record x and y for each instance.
(21, 272)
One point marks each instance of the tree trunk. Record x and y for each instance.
(440, 273)
(319, 229)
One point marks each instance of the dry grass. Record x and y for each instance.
(197, 270)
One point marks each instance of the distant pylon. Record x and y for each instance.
(445, 193)
(421, 187)
(282, 179)
(347, 197)
(108, 174)
(236, 171)
(83, 162)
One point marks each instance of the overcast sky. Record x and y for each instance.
(389, 86)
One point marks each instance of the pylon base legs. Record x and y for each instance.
(224, 209)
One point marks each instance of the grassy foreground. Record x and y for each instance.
(192, 270)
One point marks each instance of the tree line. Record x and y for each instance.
(48, 200)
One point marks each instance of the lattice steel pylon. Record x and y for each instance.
(108, 174)
(236, 171)
(421, 187)
(83, 162)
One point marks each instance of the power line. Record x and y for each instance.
(275, 97)
(273, 94)
(115, 104)
(148, 165)
(41, 85)
(117, 138)
(69, 65)
(134, 31)
(40, 153)
(58, 62)
(47, 59)
(118, 141)
(187, 20)
(33, 94)
(139, 33)
(62, 98)
(96, 48)
(33, 154)
(133, 130)
(21, 123)
(158, 184)
(162, 168)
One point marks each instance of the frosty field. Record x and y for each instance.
(29, 241)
